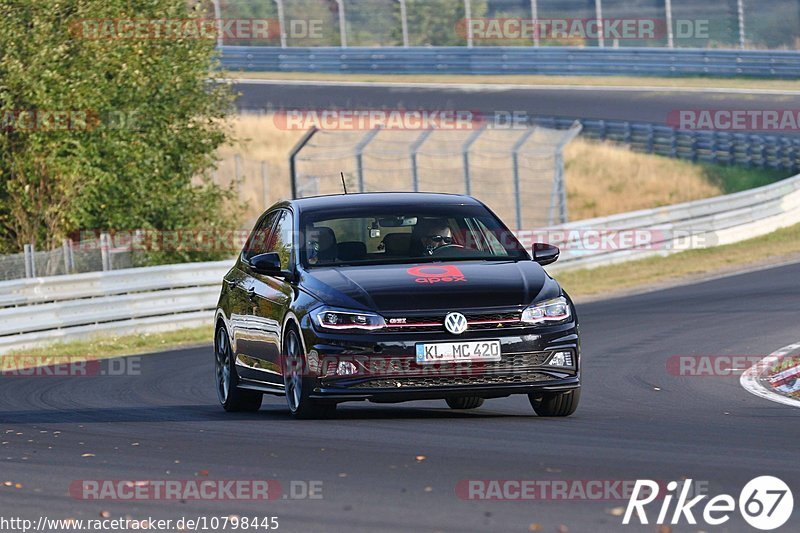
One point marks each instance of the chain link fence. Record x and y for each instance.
(71, 258)
(518, 172)
(746, 24)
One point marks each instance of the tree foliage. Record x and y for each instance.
(124, 130)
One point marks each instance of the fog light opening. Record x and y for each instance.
(561, 358)
(346, 368)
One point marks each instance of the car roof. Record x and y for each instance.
(380, 199)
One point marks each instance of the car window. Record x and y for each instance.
(282, 239)
(390, 235)
(258, 242)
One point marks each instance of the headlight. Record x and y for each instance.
(339, 319)
(549, 311)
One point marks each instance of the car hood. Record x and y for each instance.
(431, 286)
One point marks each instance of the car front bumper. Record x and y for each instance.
(386, 369)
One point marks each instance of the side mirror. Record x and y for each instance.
(267, 264)
(544, 254)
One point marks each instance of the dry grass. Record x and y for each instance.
(602, 178)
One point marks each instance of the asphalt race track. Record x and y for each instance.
(644, 105)
(635, 421)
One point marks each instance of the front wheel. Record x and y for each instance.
(229, 394)
(555, 403)
(297, 385)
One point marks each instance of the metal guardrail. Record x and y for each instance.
(133, 300)
(719, 147)
(554, 60)
(33, 311)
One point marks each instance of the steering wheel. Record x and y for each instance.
(445, 248)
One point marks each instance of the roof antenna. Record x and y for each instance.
(344, 185)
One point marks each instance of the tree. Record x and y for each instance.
(102, 132)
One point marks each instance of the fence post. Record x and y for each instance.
(535, 19)
(515, 159)
(360, 156)
(670, 31)
(415, 146)
(265, 184)
(281, 22)
(237, 160)
(598, 8)
(559, 191)
(105, 253)
(465, 156)
(467, 17)
(293, 157)
(342, 24)
(30, 261)
(404, 22)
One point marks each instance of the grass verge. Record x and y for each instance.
(608, 281)
(530, 79)
(655, 271)
(104, 347)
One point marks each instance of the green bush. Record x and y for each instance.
(141, 120)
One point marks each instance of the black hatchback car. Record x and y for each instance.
(390, 297)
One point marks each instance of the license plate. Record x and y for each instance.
(447, 352)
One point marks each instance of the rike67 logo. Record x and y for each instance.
(436, 274)
(766, 503)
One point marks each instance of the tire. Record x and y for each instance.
(229, 394)
(555, 403)
(464, 402)
(298, 386)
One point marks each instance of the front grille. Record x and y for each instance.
(381, 366)
(450, 381)
(435, 323)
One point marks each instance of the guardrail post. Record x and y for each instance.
(105, 253)
(360, 156)
(465, 157)
(515, 160)
(415, 146)
(30, 261)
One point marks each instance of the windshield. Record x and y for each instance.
(407, 235)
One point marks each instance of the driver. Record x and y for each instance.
(435, 234)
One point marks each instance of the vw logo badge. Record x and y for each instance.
(455, 323)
